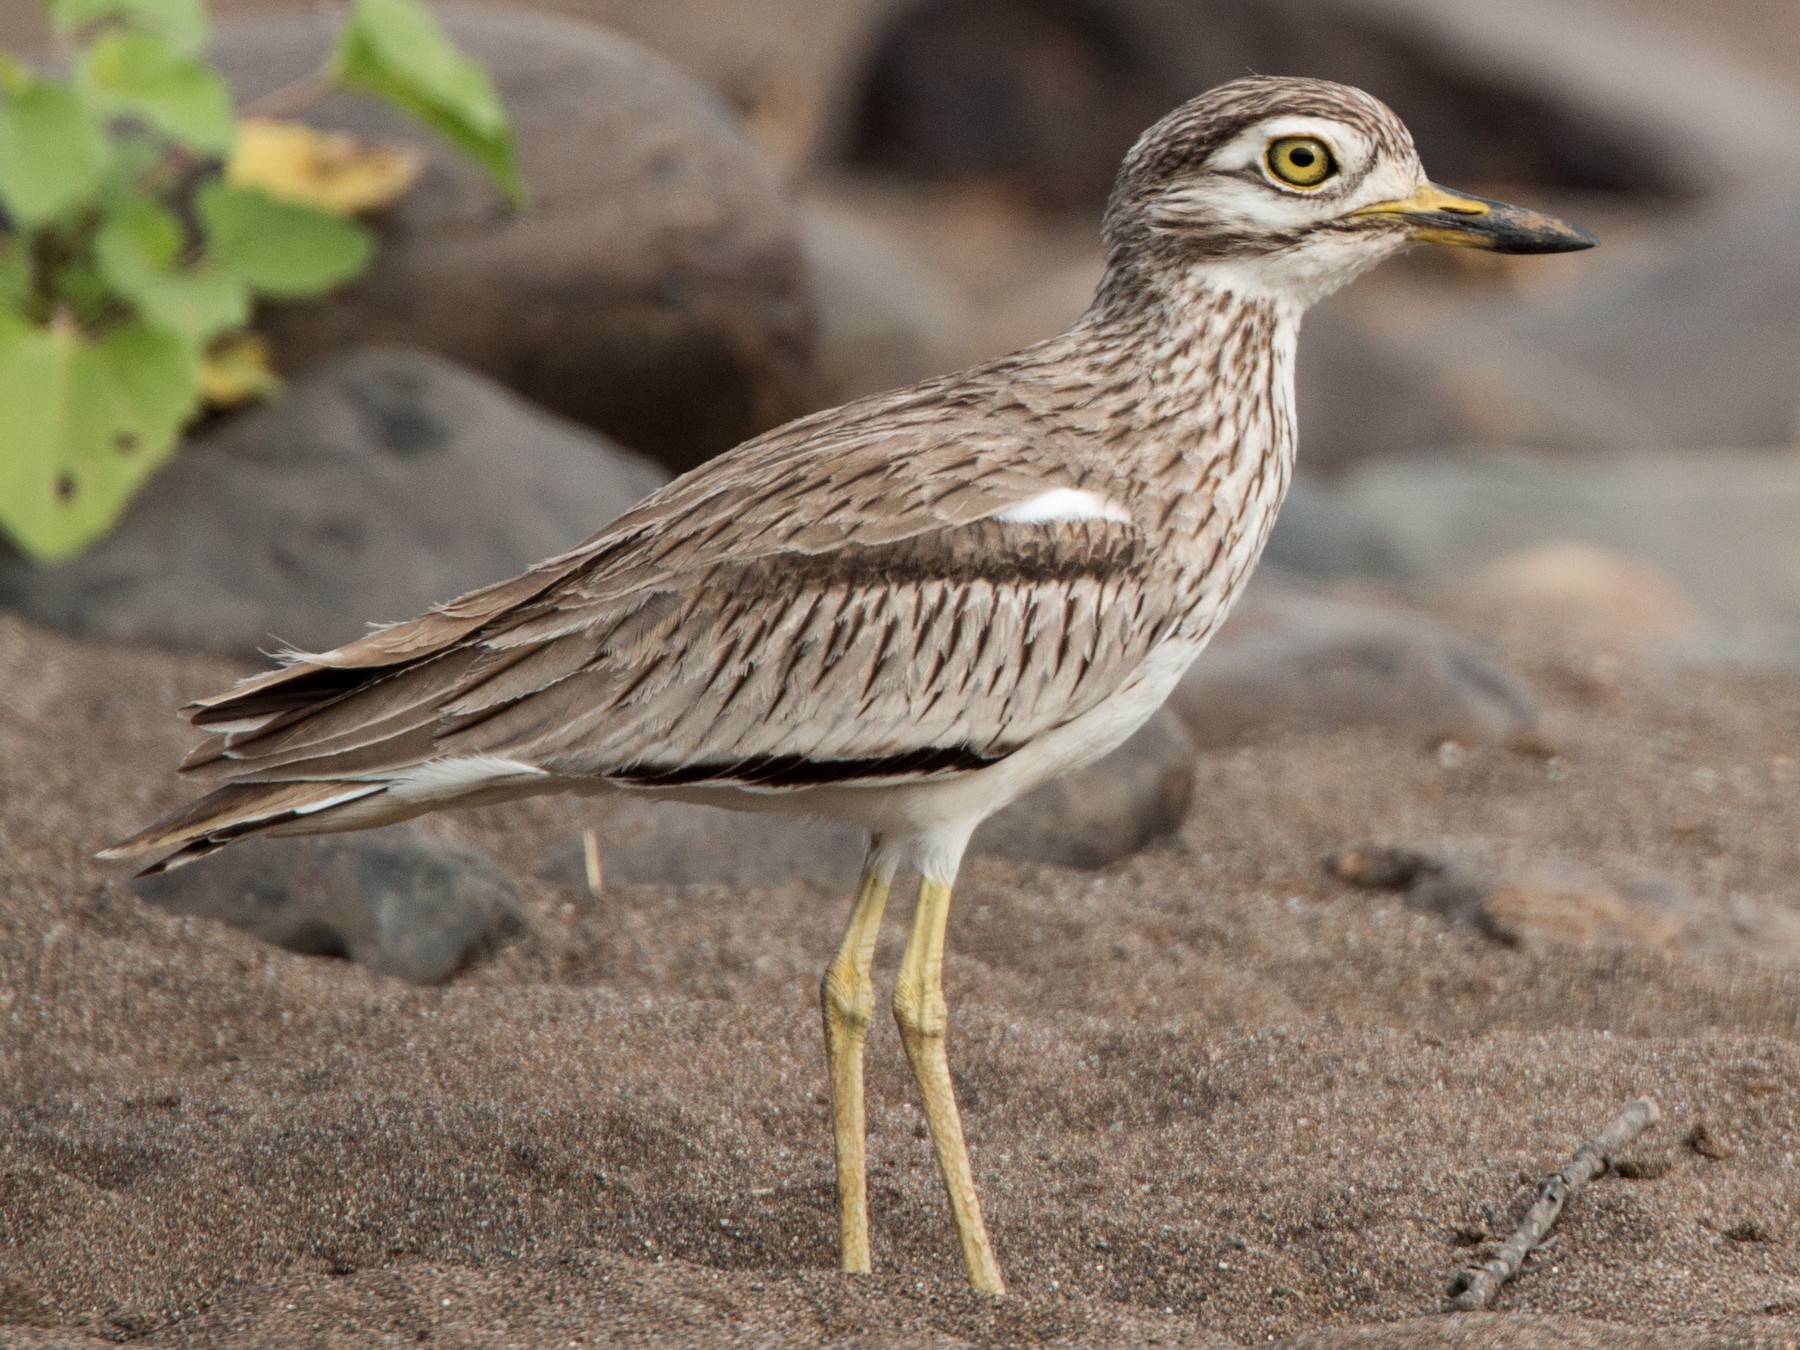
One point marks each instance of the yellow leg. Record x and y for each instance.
(919, 1008)
(848, 1000)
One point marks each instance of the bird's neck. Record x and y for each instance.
(1203, 373)
(1193, 389)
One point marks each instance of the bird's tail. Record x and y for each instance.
(238, 810)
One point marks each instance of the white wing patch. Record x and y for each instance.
(1063, 504)
(447, 779)
(354, 794)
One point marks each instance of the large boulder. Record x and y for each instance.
(1295, 664)
(654, 289)
(379, 484)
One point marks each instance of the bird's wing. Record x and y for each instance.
(856, 599)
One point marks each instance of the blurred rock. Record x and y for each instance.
(1056, 295)
(1361, 392)
(1318, 535)
(1543, 902)
(1381, 867)
(779, 63)
(1292, 664)
(644, 842)
(389, 899)
(1545, 913)
(1530, 902)
(1044, 99)
(1105, 812)
(379, 484)
(655, 288)
(1752, 929)
(884, 321)
(1092, 818)
(1718, 524)
(1586, 597)
(1693, 117)
(1496, 89)
(1694, 347)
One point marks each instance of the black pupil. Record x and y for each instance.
(1301, 156)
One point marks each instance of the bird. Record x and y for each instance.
(905, 612)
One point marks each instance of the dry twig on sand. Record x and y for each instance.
(1476, 1286)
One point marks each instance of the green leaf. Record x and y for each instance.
(279, 248)
(183, 22)
(83, 422)
(154, 375)
(52, 151)
(134, 153)
(136, 250)
(133, 74)
(395, 50)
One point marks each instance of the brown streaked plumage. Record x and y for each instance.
(905, 612)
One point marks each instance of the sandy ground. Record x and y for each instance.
(1213, 1097)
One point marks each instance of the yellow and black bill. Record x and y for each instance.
(1437, 215)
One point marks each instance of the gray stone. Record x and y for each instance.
(655, 288)
(379, 484)
(1293, 664)
(1719, 524)
(1107, 811)
(390, 899)
(1538, 902)
(1318, 535)
(1532, 903)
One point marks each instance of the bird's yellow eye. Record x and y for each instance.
(1301, 161)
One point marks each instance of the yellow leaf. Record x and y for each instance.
(235, 371)
(327, 170)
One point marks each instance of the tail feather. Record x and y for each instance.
(231, 812)
(344, 739)
(307, 680)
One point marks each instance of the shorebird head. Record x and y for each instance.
(1288, 188)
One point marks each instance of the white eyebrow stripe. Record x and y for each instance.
(1063, 504)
